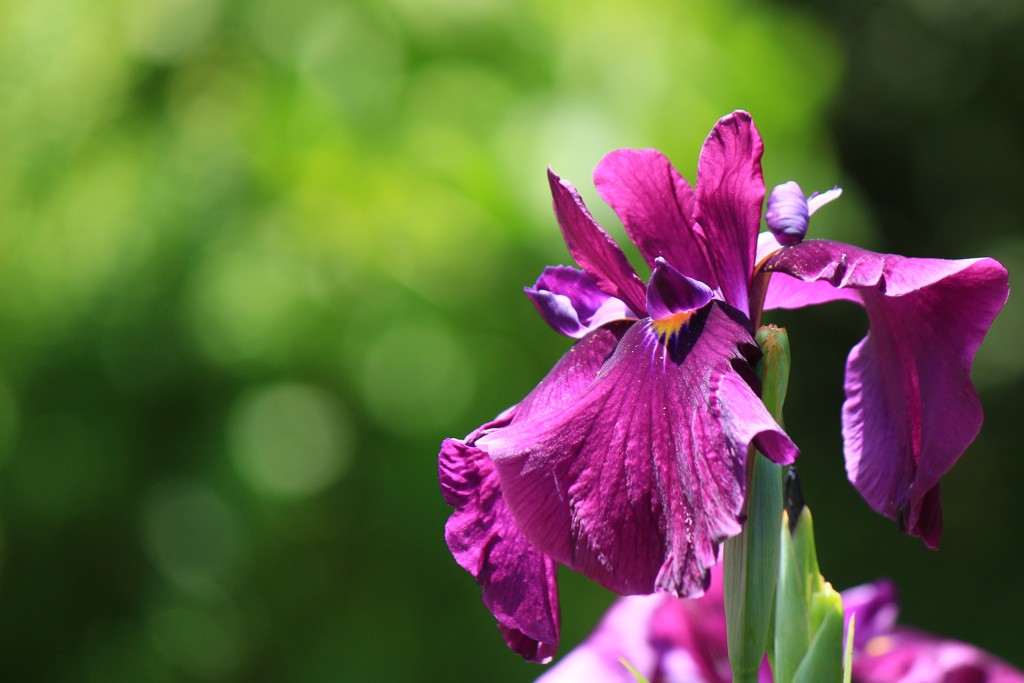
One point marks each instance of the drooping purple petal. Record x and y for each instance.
(592, 248)
(517, 581)
(669, 292)
(638, 479)
(656, 205)
(575, 371)
(907, 656)
(911, 409)
(730, 191)
(568, 299)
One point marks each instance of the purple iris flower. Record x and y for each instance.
(627, 462)
(668, 640)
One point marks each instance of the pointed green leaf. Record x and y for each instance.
(792, 617)
(848, 657)
(823, 662)
(806, 555)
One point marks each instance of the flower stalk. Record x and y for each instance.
(751, 559)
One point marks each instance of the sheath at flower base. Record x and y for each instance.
(627, 463)
(684, 641)
(911, 409)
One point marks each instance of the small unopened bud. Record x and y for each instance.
(787, 213)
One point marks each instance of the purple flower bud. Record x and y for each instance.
(787, 213)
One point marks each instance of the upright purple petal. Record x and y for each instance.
(592, 248)
(656, 205)
(730, 191)
(639, 478)
(911, 409)
(517, 581)
(569, 300)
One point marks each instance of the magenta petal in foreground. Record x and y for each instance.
(637, 481)
(667, 640)
(518, 582)
(911, 409)
(684, 641)
(622, 633)
(908, 656)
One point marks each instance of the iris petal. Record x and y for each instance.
(908, 656)
(570, 301)
(876, 608)
(656, 205)
(730, 191)
(639, 478)
(670, 292)
(592, 248)
(622, 633)
(518, 582)
(911, 409)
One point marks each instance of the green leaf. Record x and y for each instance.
(792, 615)
(823, 661)
(848, 657)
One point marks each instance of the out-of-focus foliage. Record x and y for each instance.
(258, 258)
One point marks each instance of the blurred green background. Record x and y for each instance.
(258, 258)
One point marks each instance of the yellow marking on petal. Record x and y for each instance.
(666, 328)
(878, 646)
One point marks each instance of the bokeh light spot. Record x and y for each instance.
(290, 440)
(417, 378)
(245, 303)
(169, 29)
(202, 643)
(191, 534)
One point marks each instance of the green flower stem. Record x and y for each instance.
(751, 559)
